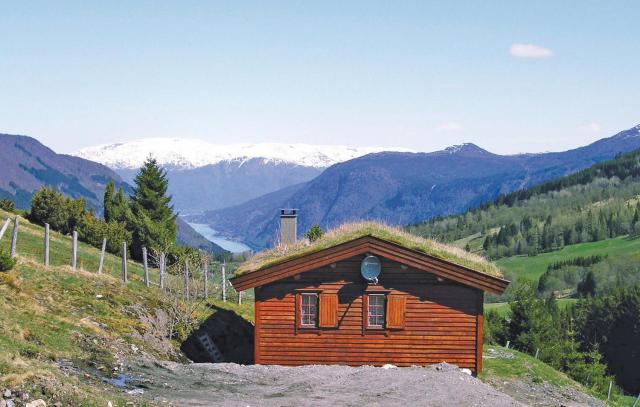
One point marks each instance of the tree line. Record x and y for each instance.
(598, 203)
(144, 219)
(592, 341)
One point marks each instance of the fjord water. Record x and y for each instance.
(212, 235)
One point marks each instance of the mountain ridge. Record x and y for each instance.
(178, 153)
(402, 188)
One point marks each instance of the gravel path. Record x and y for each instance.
(236, 385)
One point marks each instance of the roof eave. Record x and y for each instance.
(374, 245)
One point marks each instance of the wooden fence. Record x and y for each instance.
(181, 279)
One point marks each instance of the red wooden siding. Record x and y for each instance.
(427, 321)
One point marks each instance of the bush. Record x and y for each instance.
(314, 233)
(61, 213)
(6, 261)
(7, 205)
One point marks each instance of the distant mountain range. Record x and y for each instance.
(26, 165)
(205, 176)
(402, 188)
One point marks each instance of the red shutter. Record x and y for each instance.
(395, 311)
(328, 317)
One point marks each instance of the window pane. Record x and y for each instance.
(376, 310)
(309, 310)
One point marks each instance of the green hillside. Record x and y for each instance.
(532, 267)
(63, 332)
(523, 376)
(595, 204)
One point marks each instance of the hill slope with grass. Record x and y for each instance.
(65, 333)
(547, 233)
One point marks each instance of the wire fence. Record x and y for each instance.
(203, 279)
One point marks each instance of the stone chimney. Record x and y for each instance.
(288, 226)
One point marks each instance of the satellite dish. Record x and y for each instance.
(370, 268)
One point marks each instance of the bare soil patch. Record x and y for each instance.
(227, 384)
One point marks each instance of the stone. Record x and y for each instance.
(6, 393)
(10, 403)
(466, 371)
(36, 403)
(3, 403)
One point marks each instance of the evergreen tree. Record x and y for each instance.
(314, 233)
(588, 285)
(108, 203)
(152, 219)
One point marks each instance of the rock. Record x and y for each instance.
(136, 391)
(10, 403)
(3, 403)
(389, 366)
(36, 403)
(6, 393)
(467, 371)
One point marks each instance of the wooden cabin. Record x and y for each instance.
(368, 294)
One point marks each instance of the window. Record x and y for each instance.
(309, 310)
(376, 310)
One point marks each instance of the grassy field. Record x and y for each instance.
(532, 267)
(64, 331)
(503, 308)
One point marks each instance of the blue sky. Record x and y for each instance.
(508, 76)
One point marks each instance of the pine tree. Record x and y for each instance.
(152, 218)
(107, 202)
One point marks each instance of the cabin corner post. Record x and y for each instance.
(479, 332)
(256, 327)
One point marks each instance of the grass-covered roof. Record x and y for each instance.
(352, 231)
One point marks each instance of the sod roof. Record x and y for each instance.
(352, 231)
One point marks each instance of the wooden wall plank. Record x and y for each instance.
(441, 320)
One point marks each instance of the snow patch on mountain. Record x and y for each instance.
(193, 153)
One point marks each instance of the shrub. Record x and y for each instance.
(7, 205)
(314, 233)
(6, 261)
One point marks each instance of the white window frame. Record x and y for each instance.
(315, 309)
(379, 317)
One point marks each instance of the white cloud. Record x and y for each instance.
(529, 51)
(592, 127)
(450, 126)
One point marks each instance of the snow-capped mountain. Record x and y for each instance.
(193, 153)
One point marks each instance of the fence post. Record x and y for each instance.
(161, 261)
(224, 282)
(239, 297)
(186, 279)
(124, 262)
(537, 350)
(74, 249)
(14, 236)
(609, 393)
(637, 400)
(206, 279)
(46, 244)
(508, 342)
(4, 227)
(104, 248)
(146, 266)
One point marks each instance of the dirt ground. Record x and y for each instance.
(237, 385)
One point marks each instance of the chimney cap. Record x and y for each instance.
(288, 213)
